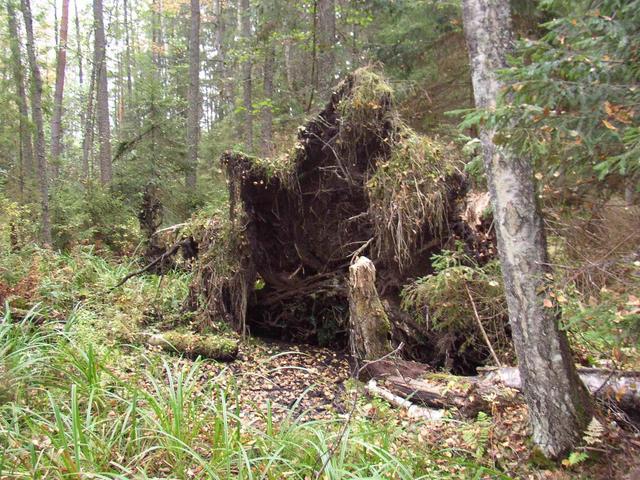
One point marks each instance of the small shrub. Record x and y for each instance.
(442, 303)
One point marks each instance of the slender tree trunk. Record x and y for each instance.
(267, 110)
(221, 68)
(127, 44)
(36, 112)
(87, 139)
(26, 146)
(102, 95)
(326, 44)
(559, 404)
(244, 14)
(56, 121)
(193, 97)
(78, 45)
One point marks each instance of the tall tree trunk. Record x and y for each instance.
(102, 95)
(127, 44)
(221, 69)
(193, 97)
(78, 46)
(87, 139)
(326, 43)
(244, 15)
(267, 110)
(559, 404)
(36, 112)
(56, 121)
(26, 146)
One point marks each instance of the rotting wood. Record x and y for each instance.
(369, 325)
(413, 411)
(419, 384)
(192, 345)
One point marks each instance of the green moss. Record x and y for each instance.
(192, 345)
(370, 91)
(539, 460)
(408, 192)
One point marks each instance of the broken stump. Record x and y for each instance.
(368, 321)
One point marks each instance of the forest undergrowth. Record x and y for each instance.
(80, 400)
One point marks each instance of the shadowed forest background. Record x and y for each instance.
(256, 238)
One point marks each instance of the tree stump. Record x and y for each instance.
(369, 324)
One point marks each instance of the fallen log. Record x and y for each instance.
(415, 382)
(620, 387)
(191, 345)
(413, 411)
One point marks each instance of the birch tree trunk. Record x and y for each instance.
(61, 64)
(244, 14)
(26, 146)
(36, 113)
(559, 404)
(102, 95)
(193, 97)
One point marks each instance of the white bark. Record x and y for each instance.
(558, 402)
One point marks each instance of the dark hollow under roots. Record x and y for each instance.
(295, 225)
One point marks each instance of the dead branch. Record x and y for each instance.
(169, 253)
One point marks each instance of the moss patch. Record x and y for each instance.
(192, 345)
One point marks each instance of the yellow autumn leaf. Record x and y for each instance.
(609, 125)
(607, 108)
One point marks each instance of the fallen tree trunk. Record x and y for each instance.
(413, 410)
(619, 387)
(191, 345)
(416, 383)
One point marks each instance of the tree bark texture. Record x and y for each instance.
(193, 97)
(102, 95)
(247, 103)
(26, 146)
(370, 327)
(267, 111)
(61, 64)
(87, 138)
(326, 44)
(559, 404)
(36, 113)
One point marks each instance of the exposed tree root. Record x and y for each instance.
(358, 182)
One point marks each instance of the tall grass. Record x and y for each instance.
(74, 404)
(83, 421)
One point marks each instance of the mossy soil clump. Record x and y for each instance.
(357, 182)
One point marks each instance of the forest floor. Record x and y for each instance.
(78, 402)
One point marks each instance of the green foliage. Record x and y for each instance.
(441, 301)
(92, 215)
(573, 98)
(139, 427)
